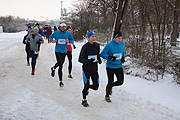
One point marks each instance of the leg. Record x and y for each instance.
(69, 55)
(120, 77)
(27, 52)
(110, 74)
(95, 80)
(86, 77)
(60, 59)
(56, 65)
(34, 57)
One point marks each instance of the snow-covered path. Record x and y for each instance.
(23, 96)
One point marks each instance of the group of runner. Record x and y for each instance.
(89, 56)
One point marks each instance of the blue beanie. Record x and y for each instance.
(91, 33)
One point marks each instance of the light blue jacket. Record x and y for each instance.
(111, 49)
(61, 44)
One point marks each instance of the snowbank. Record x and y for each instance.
(39, 97)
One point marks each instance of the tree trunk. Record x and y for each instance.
(175, 24)
(120, 14)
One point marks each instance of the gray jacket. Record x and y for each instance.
(35, 41)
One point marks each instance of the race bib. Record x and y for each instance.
(93, 57)
(118, 55)
(61, 41)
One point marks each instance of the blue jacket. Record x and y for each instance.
(61, 44)
(112, 49)
(41, 32)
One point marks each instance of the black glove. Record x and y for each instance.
(28, 40)
(38, 42)
(91, 60)
(74, 46)
(122, 60)
(99, 61)
(113, 58)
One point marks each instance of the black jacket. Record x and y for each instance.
(26, 42)
(89, 49)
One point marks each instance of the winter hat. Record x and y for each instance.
(36, 28)
(68, 27)
(117, 34)
(62, 24)
(91, 33)
(36, 24)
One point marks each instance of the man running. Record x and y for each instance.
(35, 39)
(89, 56)
(62, 38)
(114, 53)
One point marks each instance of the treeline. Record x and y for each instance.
(13, 24)
(147, 27)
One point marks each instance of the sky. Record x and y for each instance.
(34, 9)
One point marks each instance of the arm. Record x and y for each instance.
(41, 40)
(24, 40)
(51, 38)
(104, 53)
(98, 56)
(71, 39)
(82, 56)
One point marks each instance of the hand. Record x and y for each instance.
(113, 58)
(74, 46)
(122, 60)
(38, 42)
(67, 40)
(91, 60)
(54, 41)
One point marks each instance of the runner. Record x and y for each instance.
(27, 48)
(61, 38)
(114, 53)
(69, 55)
(48, 33)
(89, 56)
(35, 40)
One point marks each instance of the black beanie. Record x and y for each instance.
(117, 34)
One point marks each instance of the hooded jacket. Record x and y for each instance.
(35, 40)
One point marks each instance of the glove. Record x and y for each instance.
(38, 42)
(113, 58)
(91, 60)
(28, 40)
(122, 60)
(74, 46)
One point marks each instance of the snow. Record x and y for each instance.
(23, 96)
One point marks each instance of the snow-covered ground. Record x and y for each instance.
(27, 97)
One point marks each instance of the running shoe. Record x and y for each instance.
(70, 76)
(61, 84)
(52, 72)
(33, 71)
(107, 99)
(85, 104)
